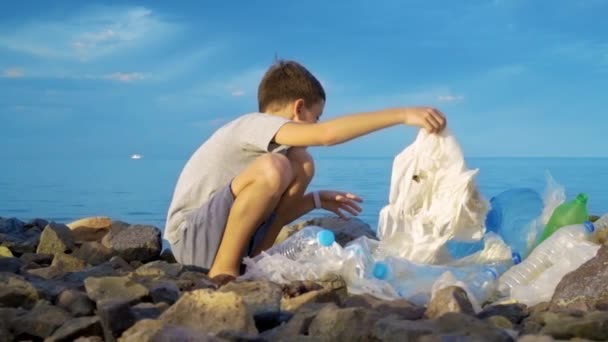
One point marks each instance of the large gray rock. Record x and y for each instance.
(15, 291)
(115, 288)
(10, 265)
(148, 330)
(55, 239)
(393, 329)
(207, 311)
(453, 326)
(159, 269)
(18, 236)
(449, 299)
(41, 321)
(349, 324)
(90, 228)
(345, 230)
(164, 291)
(148, 310)
(261, 297)
(515, 313)
(585, 287)
(77, 327)
(401, 308)
(115, 267)
(137, 242)
(40, 259)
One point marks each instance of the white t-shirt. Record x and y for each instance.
(218, 160)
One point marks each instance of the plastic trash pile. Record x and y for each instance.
(438, 231)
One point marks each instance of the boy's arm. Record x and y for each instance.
(345, 128)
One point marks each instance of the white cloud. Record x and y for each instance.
(238, 93)
(450, 98)
(88, 35)
(126, 77)
(13, 73)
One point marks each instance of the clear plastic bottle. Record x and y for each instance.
(304, 244)
(548, 253)
(482, 284)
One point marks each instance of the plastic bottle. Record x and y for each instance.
(569, 213)
(548, 253)
(482, 284)
(306, 243)
(512, 217)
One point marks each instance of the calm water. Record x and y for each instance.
(139, 191)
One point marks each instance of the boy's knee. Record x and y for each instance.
(278, 173)
(303, 161)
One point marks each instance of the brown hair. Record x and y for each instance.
(287, 81)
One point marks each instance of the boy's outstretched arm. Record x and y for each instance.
(345, 128)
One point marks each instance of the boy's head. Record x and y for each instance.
(289, 88)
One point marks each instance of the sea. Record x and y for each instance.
(139, 191)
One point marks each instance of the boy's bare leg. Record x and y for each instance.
(257, 191)
(303, 168)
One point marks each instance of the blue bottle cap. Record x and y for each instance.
(492, 272)
(516, 258)
(380, 270)
(589, 227)
(326, 237)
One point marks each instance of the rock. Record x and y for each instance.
(41, 321)
(76, 302)
(115, 267)
(90, 228)
(146, 311)
(10, 265)
(37, 223)
(89, 339)
(165, 291)
(167, 256)
(5, 252)
(449, 299)
(584, 287)
(16, 292)
(593, 326)
(316, 296)
(206, 311)
(116, 316)
(17, 236)
(149, 330)
(115, 228)
(261, 297)
(117, 288)
(7, 316)
(77, 327)
(298, 324)
(499, 322)
(400, 307)
(345, 230)
(515, 313)
(459, 325)
(350, 324)
(189, 281)
(137, 242)
(535, 338)
(49, 272)
(56, 239)
(67, 263)
(49, 289)
(393, 329)
(40, 259)
(160, 269)
(94, 253)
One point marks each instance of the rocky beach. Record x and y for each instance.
(97, 279)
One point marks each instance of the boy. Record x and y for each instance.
(249, 178)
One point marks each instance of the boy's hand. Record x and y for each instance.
(338, 202)
(428, 118)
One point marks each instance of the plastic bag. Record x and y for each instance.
(433, 198)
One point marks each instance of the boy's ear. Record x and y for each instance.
(298, 109)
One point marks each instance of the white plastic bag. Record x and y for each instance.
(433, 198)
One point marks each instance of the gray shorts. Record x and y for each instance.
(204, 228)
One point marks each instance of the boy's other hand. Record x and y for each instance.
(339, 202)
(428, 118)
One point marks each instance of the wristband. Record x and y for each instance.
(316, 199)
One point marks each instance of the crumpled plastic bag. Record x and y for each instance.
(433, 198)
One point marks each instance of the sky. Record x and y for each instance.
(109, 79)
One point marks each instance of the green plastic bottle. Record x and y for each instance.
(573, 212)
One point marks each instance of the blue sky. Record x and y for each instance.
(105, 80)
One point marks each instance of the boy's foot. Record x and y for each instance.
(222, 279)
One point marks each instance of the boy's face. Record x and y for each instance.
(309, 114)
